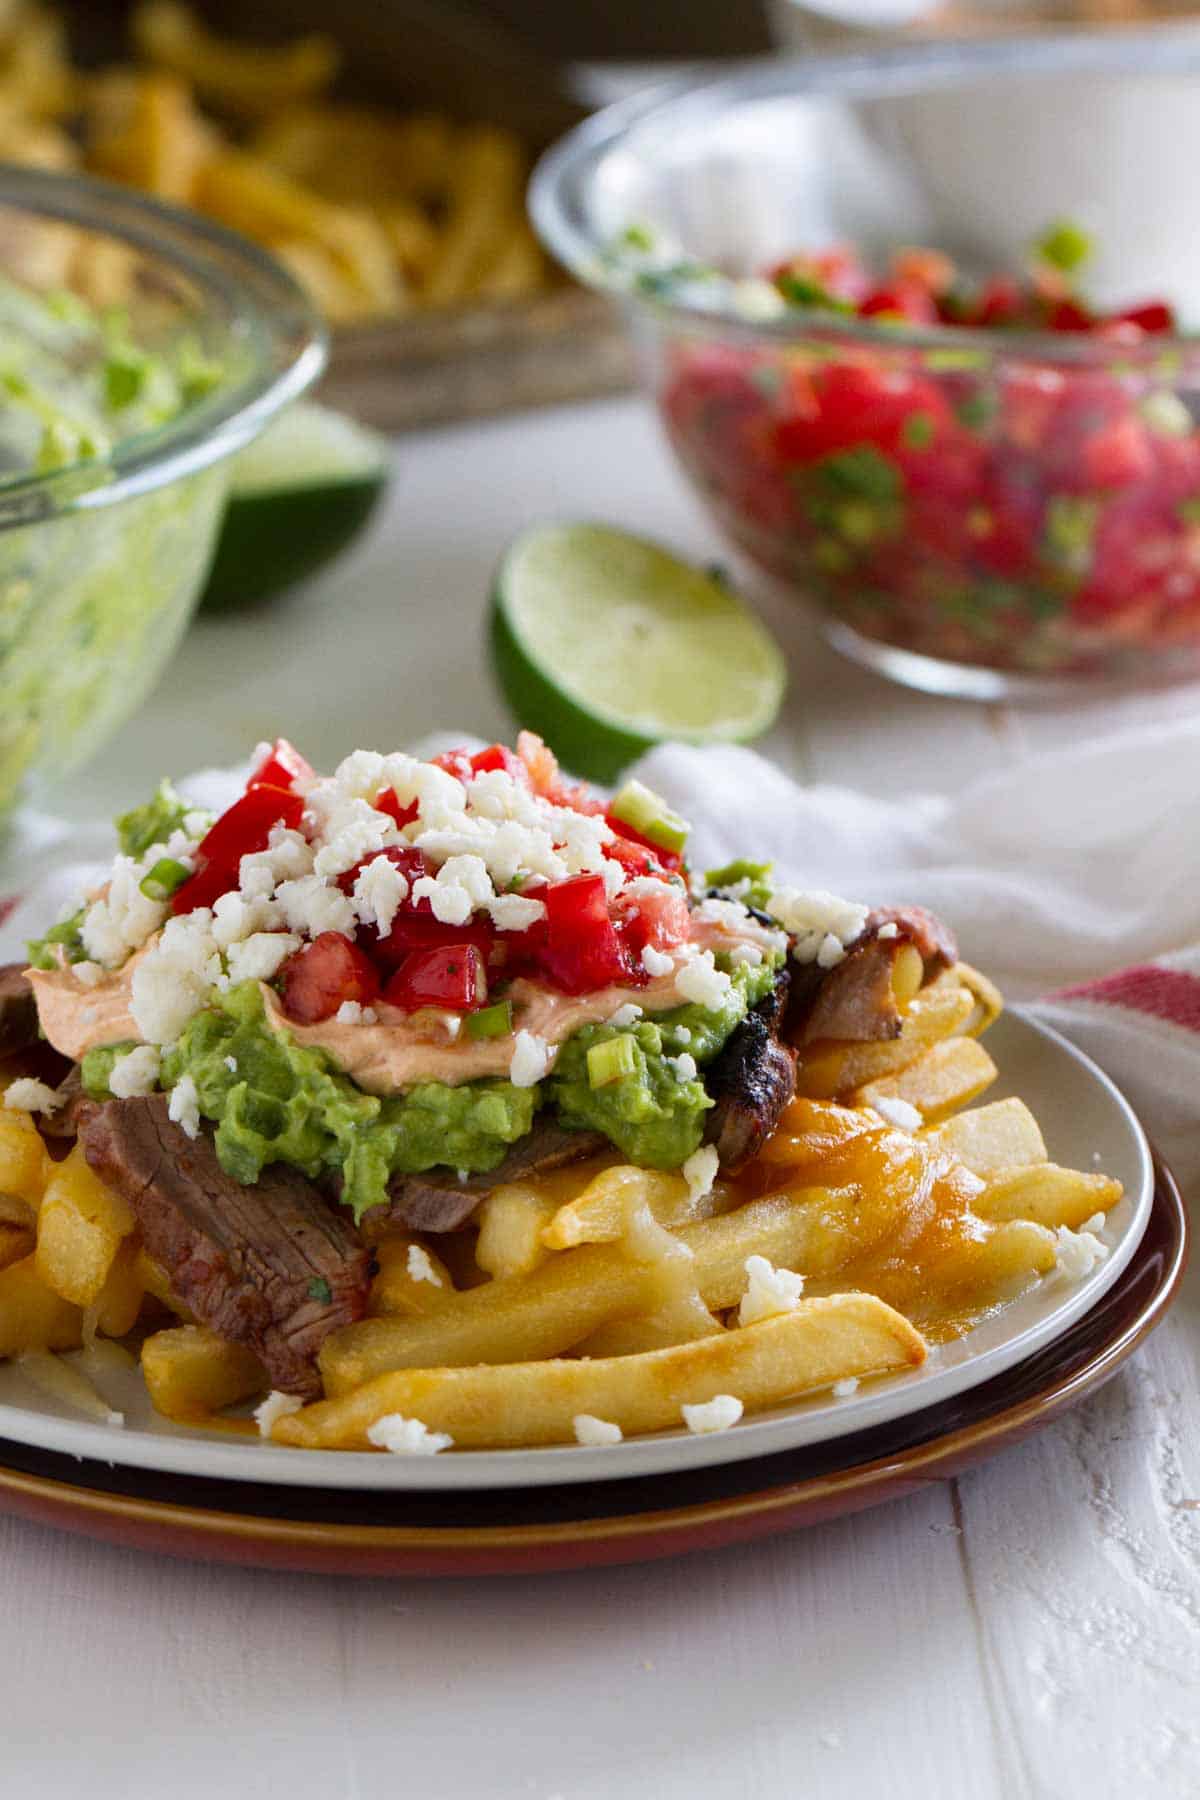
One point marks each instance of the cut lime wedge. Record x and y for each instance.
(299, 494)
(606, 644)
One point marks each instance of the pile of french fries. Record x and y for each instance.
(376, 213)
(605, 1289)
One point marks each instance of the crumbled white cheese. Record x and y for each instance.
(843, 1389)
(745, 956)
(122, 919)
(1077, 1254)
(350, 1012)
(700, 980)
(595, 1433)
(1095, 1224)
(657, 962)
(407, 1437)
(717, 1414)
(530, 1059)
(627, 1015)
(235, 918)
(230, 1063)
(310, 907)
(419, 1266)
(890, 930)
(769, 1291)
(379, 892)
(87, 974)
(260, 957)
(816, 917)
(135, 1073)
(29, 1095)
(460, 885)
(184, 1106)
(685, 1066)
(352, 831)
(682, 1033)
(515, 912)
(700, 1171)
(275, 1406)
(175, 977)
(898, 1112)
(288, 857)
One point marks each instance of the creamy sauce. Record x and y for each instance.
(396, 1052)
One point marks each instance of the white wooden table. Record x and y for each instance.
(1031, 1629)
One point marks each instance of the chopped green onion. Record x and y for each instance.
(609, 1061)
(649, 814)
(1065, 246)
(490, 1021)
(167, 875)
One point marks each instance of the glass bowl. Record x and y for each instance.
(981, 513)
(140, 347)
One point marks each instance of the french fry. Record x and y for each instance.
(35, 64)
(396, 1289)
(33, 1316)
(943, 1079)
(163, 143)
(192, 1373)
(16, 1242)
(248, 80)
(512, 1222)
(1047, 1194)
(536, 1403)
(115, 1310)
(1003, 1135)
(17, 1214)
(600, 1213)
(82, 1224)
(63, 1382)
(989, 1001)
(485, 199)
(938, 1011)
(24, 1164)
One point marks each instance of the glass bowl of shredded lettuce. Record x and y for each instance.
(140, 348)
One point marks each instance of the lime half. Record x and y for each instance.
(299, 494)
(606, 644)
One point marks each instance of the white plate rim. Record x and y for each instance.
(950, 1372)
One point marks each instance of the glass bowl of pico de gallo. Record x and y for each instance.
(986, 477)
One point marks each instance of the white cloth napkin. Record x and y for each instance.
(1074, 876)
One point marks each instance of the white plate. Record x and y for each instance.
(1087, 1124)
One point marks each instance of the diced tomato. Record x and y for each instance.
(282, 766)
(1153, 316)
(453, 977)
(582, 949)
(499, 756)
(242, 829)
(999, 303)
(419, 930)
(904, 299)
(546, 779)
(1068, 315)
(659, 918)
(323, 975)
(389, 802)
(630, 847)
(455, 762)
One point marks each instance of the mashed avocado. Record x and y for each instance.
(273, 1100)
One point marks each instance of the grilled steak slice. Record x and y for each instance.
(751, 1080)
(72, 1111)
(438, 1201)
(272, 1266)
(18, 1010)
(854, 1001)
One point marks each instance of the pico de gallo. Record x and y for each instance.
(987, 502)
(392, 969)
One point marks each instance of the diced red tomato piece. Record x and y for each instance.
(630, 846)
(453, 977)
(582, 949)
(389, 802)
(1000, 302)
(323, 975)
(499, 756)
(455, 762)
(660, 918)
(904, 299)
(242, 829)
(1153, 316)
(282, 767)
(1068, 315)
(421, 931)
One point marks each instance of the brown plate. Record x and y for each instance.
(522, 1531)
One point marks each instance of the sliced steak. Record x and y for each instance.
(855, 1002)
(272, 1265)
(751, 1080)
(73, 1108)
(18, 1010)
(438, 1201)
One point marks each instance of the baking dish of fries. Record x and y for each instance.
(405, 225)
(646, 1170)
